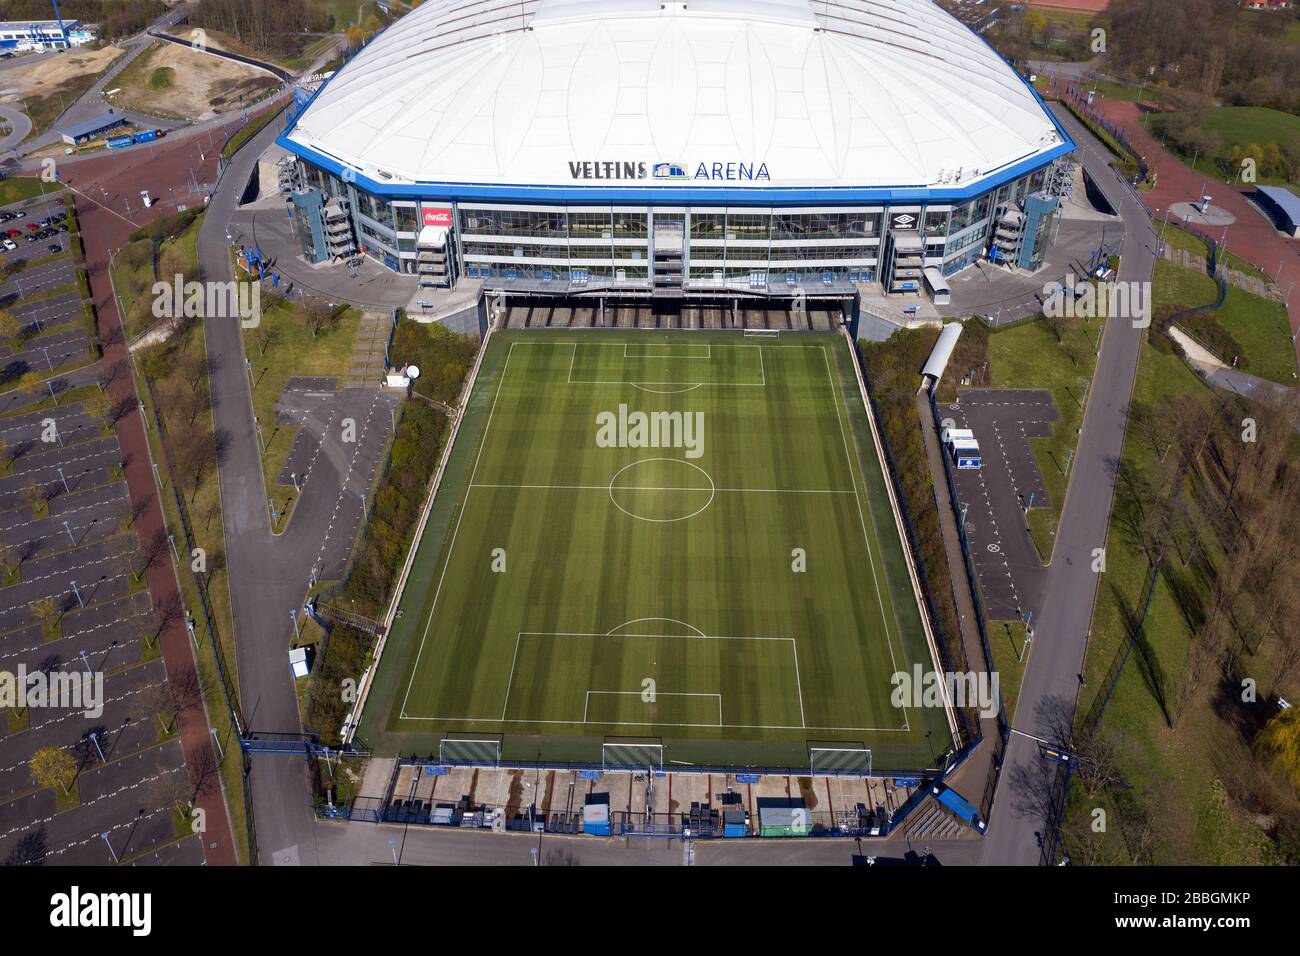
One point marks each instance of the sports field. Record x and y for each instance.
(676, 537)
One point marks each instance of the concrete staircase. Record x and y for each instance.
(366, 365)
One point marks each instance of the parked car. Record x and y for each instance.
(31, 227)
(19, 214)
(6, 216)
(9, 244)
(13, 232)
(54, 247)
(43, 223)
(31, 237)
(63, 228)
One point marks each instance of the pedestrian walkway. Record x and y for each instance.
(1213, 370)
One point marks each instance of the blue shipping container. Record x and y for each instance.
(120, 142)
(147, 136)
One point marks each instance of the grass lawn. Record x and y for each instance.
(1241, 125)
(1129, 92)
(281, 347)
(1261, 326)
(1177, 238)
(1028, 356)
(1006, 638)
(1174, 285)
(660, 590)
(18, 188)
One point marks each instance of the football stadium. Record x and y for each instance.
(677, 547)
(724, 150)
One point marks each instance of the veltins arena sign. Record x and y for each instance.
(731, 172)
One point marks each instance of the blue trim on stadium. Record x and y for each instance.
(699, 195)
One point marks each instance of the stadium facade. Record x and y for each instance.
(700, 148)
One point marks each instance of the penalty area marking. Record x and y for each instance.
(676, 386)
(636, 693)
(794, 651)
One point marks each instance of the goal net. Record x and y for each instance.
(469, 752)
(762, 333)
(632, 755)
(854, 761)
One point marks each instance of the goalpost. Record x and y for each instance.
(846, 761)
(762, 333)
(469, 752)
(632, 755)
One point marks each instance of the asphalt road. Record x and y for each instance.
(1060, 644)
(270, 574)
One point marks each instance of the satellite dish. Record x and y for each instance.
(413, 371)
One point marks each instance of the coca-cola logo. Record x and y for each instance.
(437, 216)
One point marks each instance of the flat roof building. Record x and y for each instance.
(1283, 206)
(92, 129)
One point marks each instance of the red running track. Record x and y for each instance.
(166, 170)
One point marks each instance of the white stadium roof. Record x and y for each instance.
(753, 93)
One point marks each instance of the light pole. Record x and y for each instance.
(109, 843)
(78, 594)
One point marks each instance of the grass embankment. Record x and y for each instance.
(247, 132)
(1188, 789)
(171, 379)
(1007, 644)
(893, 370)
(1249, 330)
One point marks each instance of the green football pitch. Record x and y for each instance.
(682, 538)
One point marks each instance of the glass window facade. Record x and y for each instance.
(735, 245)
